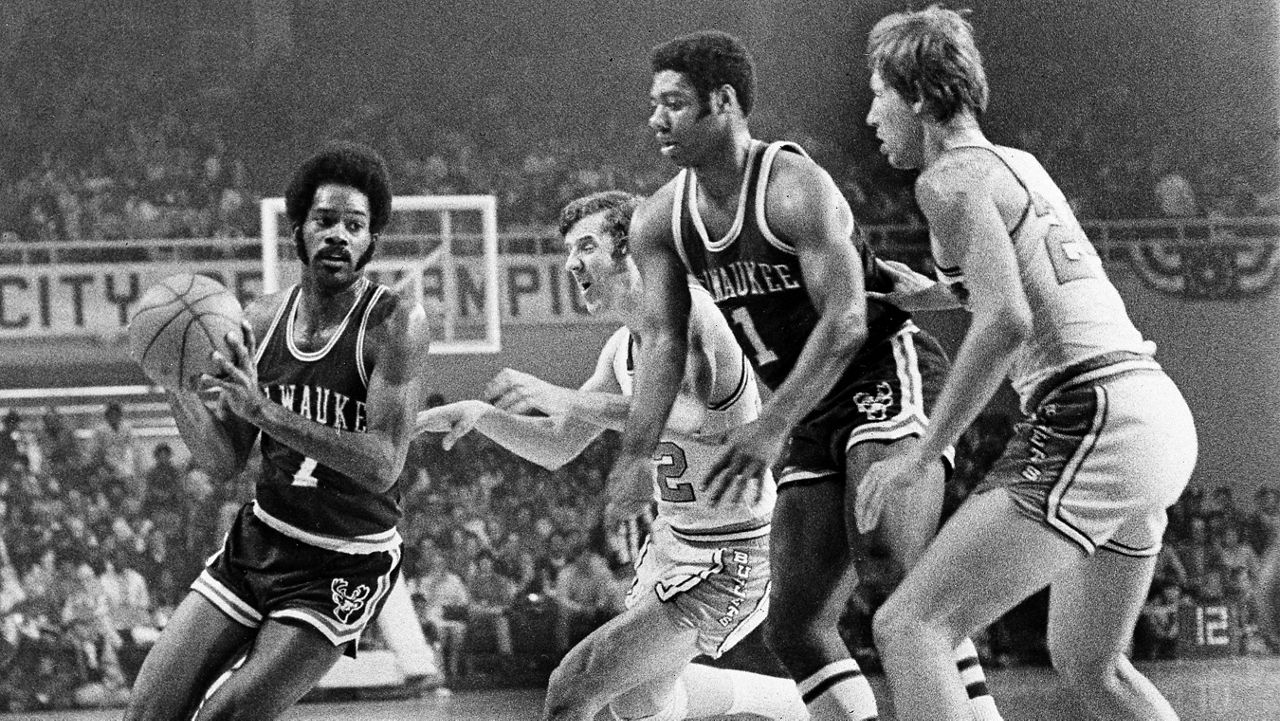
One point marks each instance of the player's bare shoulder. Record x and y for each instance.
(261, 311)
(397, 326)
(801, 197)
(651, 221)
(957, 175)
(963, 177)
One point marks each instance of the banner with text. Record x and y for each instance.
(98, 299)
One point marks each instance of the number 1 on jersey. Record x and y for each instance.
(759, 351)
(303, 477)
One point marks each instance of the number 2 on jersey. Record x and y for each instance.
(759, 351)
(672, 464)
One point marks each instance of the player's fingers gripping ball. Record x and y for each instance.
(178, 324)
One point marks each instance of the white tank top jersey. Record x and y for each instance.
(684, 465)
(1077, 314)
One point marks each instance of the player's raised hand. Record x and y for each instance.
(237, 383)
(455, 420)
(629, 490)
(750, 451)
(518, 392)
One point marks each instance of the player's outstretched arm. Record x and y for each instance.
(397, 334)
(518, 392)
(660, 368)
(549, 441)
(958, 200)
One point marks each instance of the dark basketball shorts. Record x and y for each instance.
(261, 573)
(897, 382)
(1099, 460)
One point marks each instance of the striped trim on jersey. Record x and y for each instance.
(388, 540)
(308, 357)
(1053, 505)
(275, 321)
(762, 191)
(337, 632)
(744, 381)
(950, 274)
(364, 324)
(739, 218)
(677, 219)
(734, 532)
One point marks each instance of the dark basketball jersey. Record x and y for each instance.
(296, 495)
(754, 275)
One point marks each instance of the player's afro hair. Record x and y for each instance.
(341, 163)
(617, 205)
(710, 59)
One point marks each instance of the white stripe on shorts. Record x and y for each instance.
(1054, 515)
(226, 600)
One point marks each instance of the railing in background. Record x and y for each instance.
(1113, 238)
(1197, 257)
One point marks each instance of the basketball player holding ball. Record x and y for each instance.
(326, 375)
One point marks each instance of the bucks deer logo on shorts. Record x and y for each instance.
(347, 603)
(876, 407)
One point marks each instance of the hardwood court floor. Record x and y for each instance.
(1221, 690)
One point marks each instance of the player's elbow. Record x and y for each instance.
(848, 333)
(1010, 325)
(383, 472)
(220, 466)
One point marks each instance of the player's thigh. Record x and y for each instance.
(910, 517)
(286, 662)
(197, 645)
(645, 647)
(808, 548)
(986, 559)
(1094, 606)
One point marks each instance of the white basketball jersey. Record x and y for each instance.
(684, 465)
(1076, 312)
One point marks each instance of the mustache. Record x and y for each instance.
(334, 254)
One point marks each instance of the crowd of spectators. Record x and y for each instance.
(101, 532)
(1211, 558)
(161, 172)
(97, 545)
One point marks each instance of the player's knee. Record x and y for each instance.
(794, 638)
(567, 691)
(1081, 666)
(893, 621)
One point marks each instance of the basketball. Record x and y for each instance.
(179, 323)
